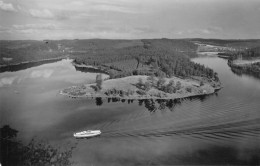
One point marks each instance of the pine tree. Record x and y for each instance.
(178, 85)
(99, 82)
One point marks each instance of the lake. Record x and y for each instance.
(222, 128)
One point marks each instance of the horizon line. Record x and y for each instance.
(128, 39)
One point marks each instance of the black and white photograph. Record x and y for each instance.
(129, 82)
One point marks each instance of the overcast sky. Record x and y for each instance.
(129, 19)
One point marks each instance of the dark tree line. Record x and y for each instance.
(245, 54)
(176, 65)
(122, 93)
(251, 53)
(14, 153)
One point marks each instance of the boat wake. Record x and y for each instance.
(205, 121)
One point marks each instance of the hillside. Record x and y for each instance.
(12, 52)
(233, 43)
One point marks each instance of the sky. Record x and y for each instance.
(129, 19)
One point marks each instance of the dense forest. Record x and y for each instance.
(251, 53)
(159, 57)
(12, 52)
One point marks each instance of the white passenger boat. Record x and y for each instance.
(87, 134)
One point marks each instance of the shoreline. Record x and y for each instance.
(83, 67)
(90, 96)
(251, 69)
(121, 85)
(36, 61)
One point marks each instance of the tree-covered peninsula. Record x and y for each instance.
(154, 68)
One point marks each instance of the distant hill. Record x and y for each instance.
(243, 43)
(12, 52)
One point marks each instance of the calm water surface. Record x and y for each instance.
(222, 128)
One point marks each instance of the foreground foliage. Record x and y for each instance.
(40, 153)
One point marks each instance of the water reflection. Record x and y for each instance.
(152, 105)
(23, 66)
(99, 101)
(7, 81)
(242, 71)
(27, 65)
(46, 73)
